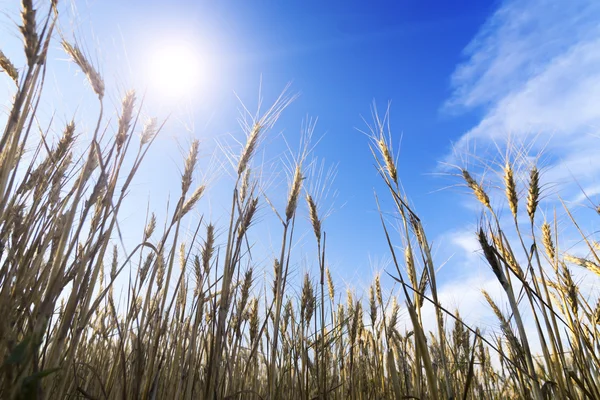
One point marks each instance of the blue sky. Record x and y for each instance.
(462, 77)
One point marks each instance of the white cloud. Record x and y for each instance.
(534, 71)
(518, 39)
(465, 295)
(466, 241)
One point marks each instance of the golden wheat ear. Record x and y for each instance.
(510, 189)
(7, 66)
(533, 194)
(82, 62)
(29, 32)
(477, 189)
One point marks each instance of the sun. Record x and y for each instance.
(175, 69)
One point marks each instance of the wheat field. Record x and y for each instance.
(196, 324)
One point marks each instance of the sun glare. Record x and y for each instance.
(175, 69)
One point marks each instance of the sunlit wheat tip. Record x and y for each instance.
(511, 189)
(160, 271)
(193, 199)
(244, 187)
(182, 256)
(350, 301)
(208, 248)
(246, 286)
(28, 30)
(288, 312)
(65, 142)
(393, 321)
(314, 218)
(330, 286)
(533, 193)
(507, 256)
(378, 292)
(101, 279)
(125, 118)
(372, 306)
(58, 178)
(582, 262)
(477, 189)
(146, 267)
(148, 131)
(181, 294)
(190, 164)
(249, 149)
(197, 274)
(388, 159)
(149, 230)
(114, 264)
(596, 314)
(493, 306)
(341, 315)
(93, 76)
(548, 242)
(307, 300)
(569, 288)
(294, 193)
(410, 266)
(491, 257)
(253, 329)
(7, 66)
(248, 216)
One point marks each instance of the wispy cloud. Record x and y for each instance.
(533, 71)
(522, 40)
(533, 74)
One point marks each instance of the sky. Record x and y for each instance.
(462, 79)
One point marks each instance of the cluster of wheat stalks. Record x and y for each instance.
(196, 325)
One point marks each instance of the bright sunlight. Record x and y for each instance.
(175, 69)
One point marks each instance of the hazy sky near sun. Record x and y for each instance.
(463, 76)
